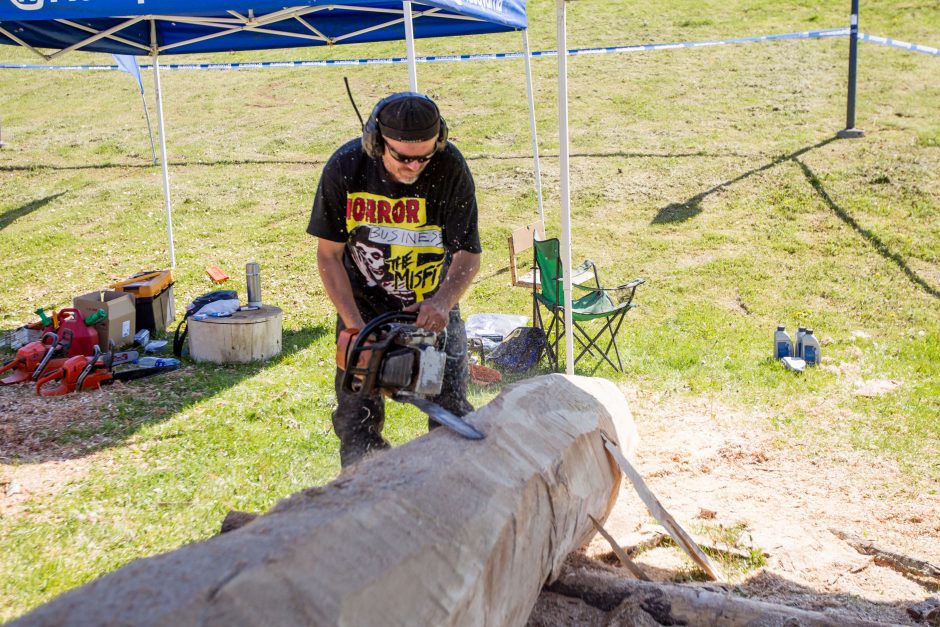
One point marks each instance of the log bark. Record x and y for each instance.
(439, 531)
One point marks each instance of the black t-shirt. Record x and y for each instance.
(399, 238)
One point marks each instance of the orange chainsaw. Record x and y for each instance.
(33, 358)
(393, 357)
(81, 373)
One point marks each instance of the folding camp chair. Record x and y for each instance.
(606, 305)
(521, 240)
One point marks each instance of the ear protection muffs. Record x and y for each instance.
(372, 142)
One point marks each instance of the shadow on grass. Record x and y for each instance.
(682, 211)
(39, 429)
(10, 216)
(611, 153)
(172, 164)
(314, 162)
(883, 249)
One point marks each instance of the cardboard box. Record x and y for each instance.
(120, 325)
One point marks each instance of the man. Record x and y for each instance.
(395, 215)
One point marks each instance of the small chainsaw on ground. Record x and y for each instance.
(393, 357)
(81, 373)
(31, 359)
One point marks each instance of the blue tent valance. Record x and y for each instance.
(184, 26)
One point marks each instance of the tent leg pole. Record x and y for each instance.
(410, 44)
(565, 172)
(535, 138)
(166, 172)
(850, 132)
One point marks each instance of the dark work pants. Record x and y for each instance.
(358, 420)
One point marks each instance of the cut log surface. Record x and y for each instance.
(244, 336)
(439, 531)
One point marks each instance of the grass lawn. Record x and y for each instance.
(713, 173)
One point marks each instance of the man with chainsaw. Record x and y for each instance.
(395, 215)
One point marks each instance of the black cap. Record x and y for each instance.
(411, 119)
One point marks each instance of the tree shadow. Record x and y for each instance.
(880, 247)
(688, 209)
(611, 153)
(232, 162)
(148, 165)
(10, 216)
(37, 429)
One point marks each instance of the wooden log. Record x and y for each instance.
(439, 531)
(632, 602)
(904, 564)
(245, 336)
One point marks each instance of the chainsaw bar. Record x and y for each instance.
(140, 373)
(444, 417)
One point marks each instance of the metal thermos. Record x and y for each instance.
(253, 280)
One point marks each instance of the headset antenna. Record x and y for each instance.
(355, 108)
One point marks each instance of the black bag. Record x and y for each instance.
(179, 337)
(520, 350)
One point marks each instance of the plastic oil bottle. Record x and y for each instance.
(811, 352)
(783, 345)
(798, 342)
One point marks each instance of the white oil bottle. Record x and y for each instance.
(811, 352)
(783, 345)
(798, 342)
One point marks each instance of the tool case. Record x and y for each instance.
(153, 293)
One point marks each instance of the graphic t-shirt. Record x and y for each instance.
(399, 238)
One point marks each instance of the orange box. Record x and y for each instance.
(146, 285)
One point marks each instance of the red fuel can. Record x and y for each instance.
(84, 338)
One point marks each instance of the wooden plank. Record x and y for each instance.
(439, 531)
(619, 552)
(659, 512)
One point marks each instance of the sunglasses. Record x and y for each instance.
(400, 158)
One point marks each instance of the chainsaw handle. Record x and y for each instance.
(58, 373)
(49, 351)
(345, 340)
(87, 369)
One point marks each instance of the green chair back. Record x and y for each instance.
(548, 261)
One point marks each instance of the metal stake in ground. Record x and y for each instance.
(661, 515)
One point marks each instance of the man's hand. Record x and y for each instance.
(434, 313)
(431, 315)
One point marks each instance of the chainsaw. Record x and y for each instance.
(81, 373)
(393, 357)
(32, 359)
(37, 358)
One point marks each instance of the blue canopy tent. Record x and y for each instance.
(52, 28)
(183, 27)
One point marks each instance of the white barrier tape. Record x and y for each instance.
(814, 34)
(897, 43)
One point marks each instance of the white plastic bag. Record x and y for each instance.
(491, 328)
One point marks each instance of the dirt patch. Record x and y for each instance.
(46, 443)
(37, 429)
(715, 468)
